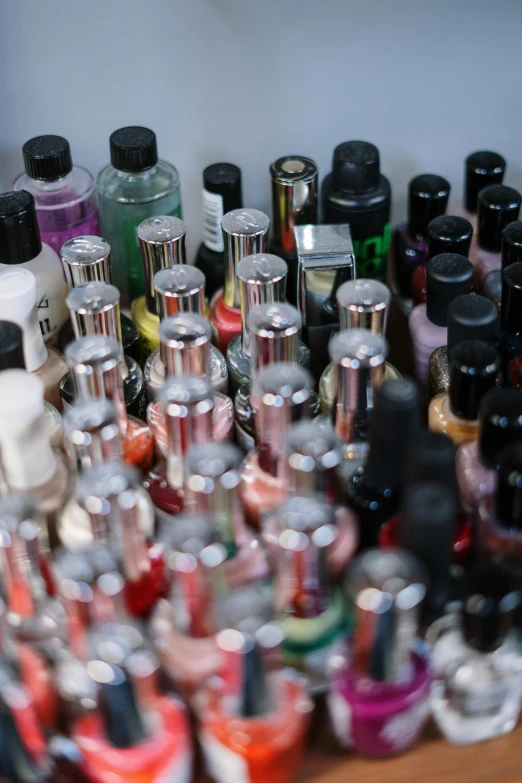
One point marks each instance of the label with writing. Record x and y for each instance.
(212, 217)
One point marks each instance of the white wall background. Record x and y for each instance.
(247, 82)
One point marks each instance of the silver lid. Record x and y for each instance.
(188, 405)
(185, 345)
(91, 433)
(294, 190)
(162, 243)
(387, 589)
(180, 289)
(86, 259)
(245, 233)
(274, 330)
(95, 309)
(358, 356)
(314, 456)
(363, 304)
(262, 280)
(326, 248)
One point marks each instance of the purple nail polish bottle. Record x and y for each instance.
(379, 696)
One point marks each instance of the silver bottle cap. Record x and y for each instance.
(294, 189)
(86, 259)
(95, 362)
(387, 589)
(314, 456)
(245, 233)
(95, 309)
(363, 304)
(321, 249)
(274, 330)
(185, 345)
(262, 280)
(162, 243)
(180, 289)
(91, 433)
(358, 356)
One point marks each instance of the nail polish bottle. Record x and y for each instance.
(29, 463)
(245, 233)
(470, 317)
(498, 206)
(510, 345)
(162, 243)
(448, 275)
(356, 192)
(481, 169)
(362, 304)
(134, 187)
(427, 199)
(23, 752)
(22, 247)
(281, 394)
(474, 367)
(476, 693)
(86, 259)
(380, 686)
(254, 727)
(326, 260)
(96, 371)
(373, 491)
(18, 305)
(221, 194)
(64, 194)
(500, 423)
(511, 253)
(446, 234)
(294, 184)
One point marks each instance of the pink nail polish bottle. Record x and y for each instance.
(498, 205)
(380, 687)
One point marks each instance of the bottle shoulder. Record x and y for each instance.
(137, 187)
(67, 191)
(356, 202)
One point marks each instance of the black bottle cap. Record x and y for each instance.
(19, 233)
(500, 417)
(508, 501)
(11, 346)
(511, 307)
(432, 458)
(498, 206)
(449, 234)
(133, 149)
(394, 426)
(491, 607)
(474, 368)
(356, 167)
(483, 168)
(225, 179)
(427, 199)
(471, 317)
(47, 157)
(512, 244)
(448, 275)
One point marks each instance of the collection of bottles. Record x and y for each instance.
(220, 504)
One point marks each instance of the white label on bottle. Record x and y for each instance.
(222, 763)
(212, 217)
(341, 718)
(179, 771)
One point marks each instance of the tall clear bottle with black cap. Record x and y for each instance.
(510, 344)
(470, 317)
(427, 199)
(356, 192)
(221, 194)
(294, 183)
(474, 367)
(476, 693)
(498, 206)
(135, 186)
(374, 490)
(481, 169)
(446, 234)
(64, 194)
(86, 259)
(511, 253)
(448, 275)
(21, 245)
(362, 304)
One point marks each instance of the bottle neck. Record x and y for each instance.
(28, 459)
(187, 426)
(186, 358)
(355, 389)
(102, 381)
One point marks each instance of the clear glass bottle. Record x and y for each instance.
(477, 665)
(21, 247)
(379, 698)
(481, 168)
(474, 367)
(498, 206)
(64, 194)
(135, 186)
(162, 243)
